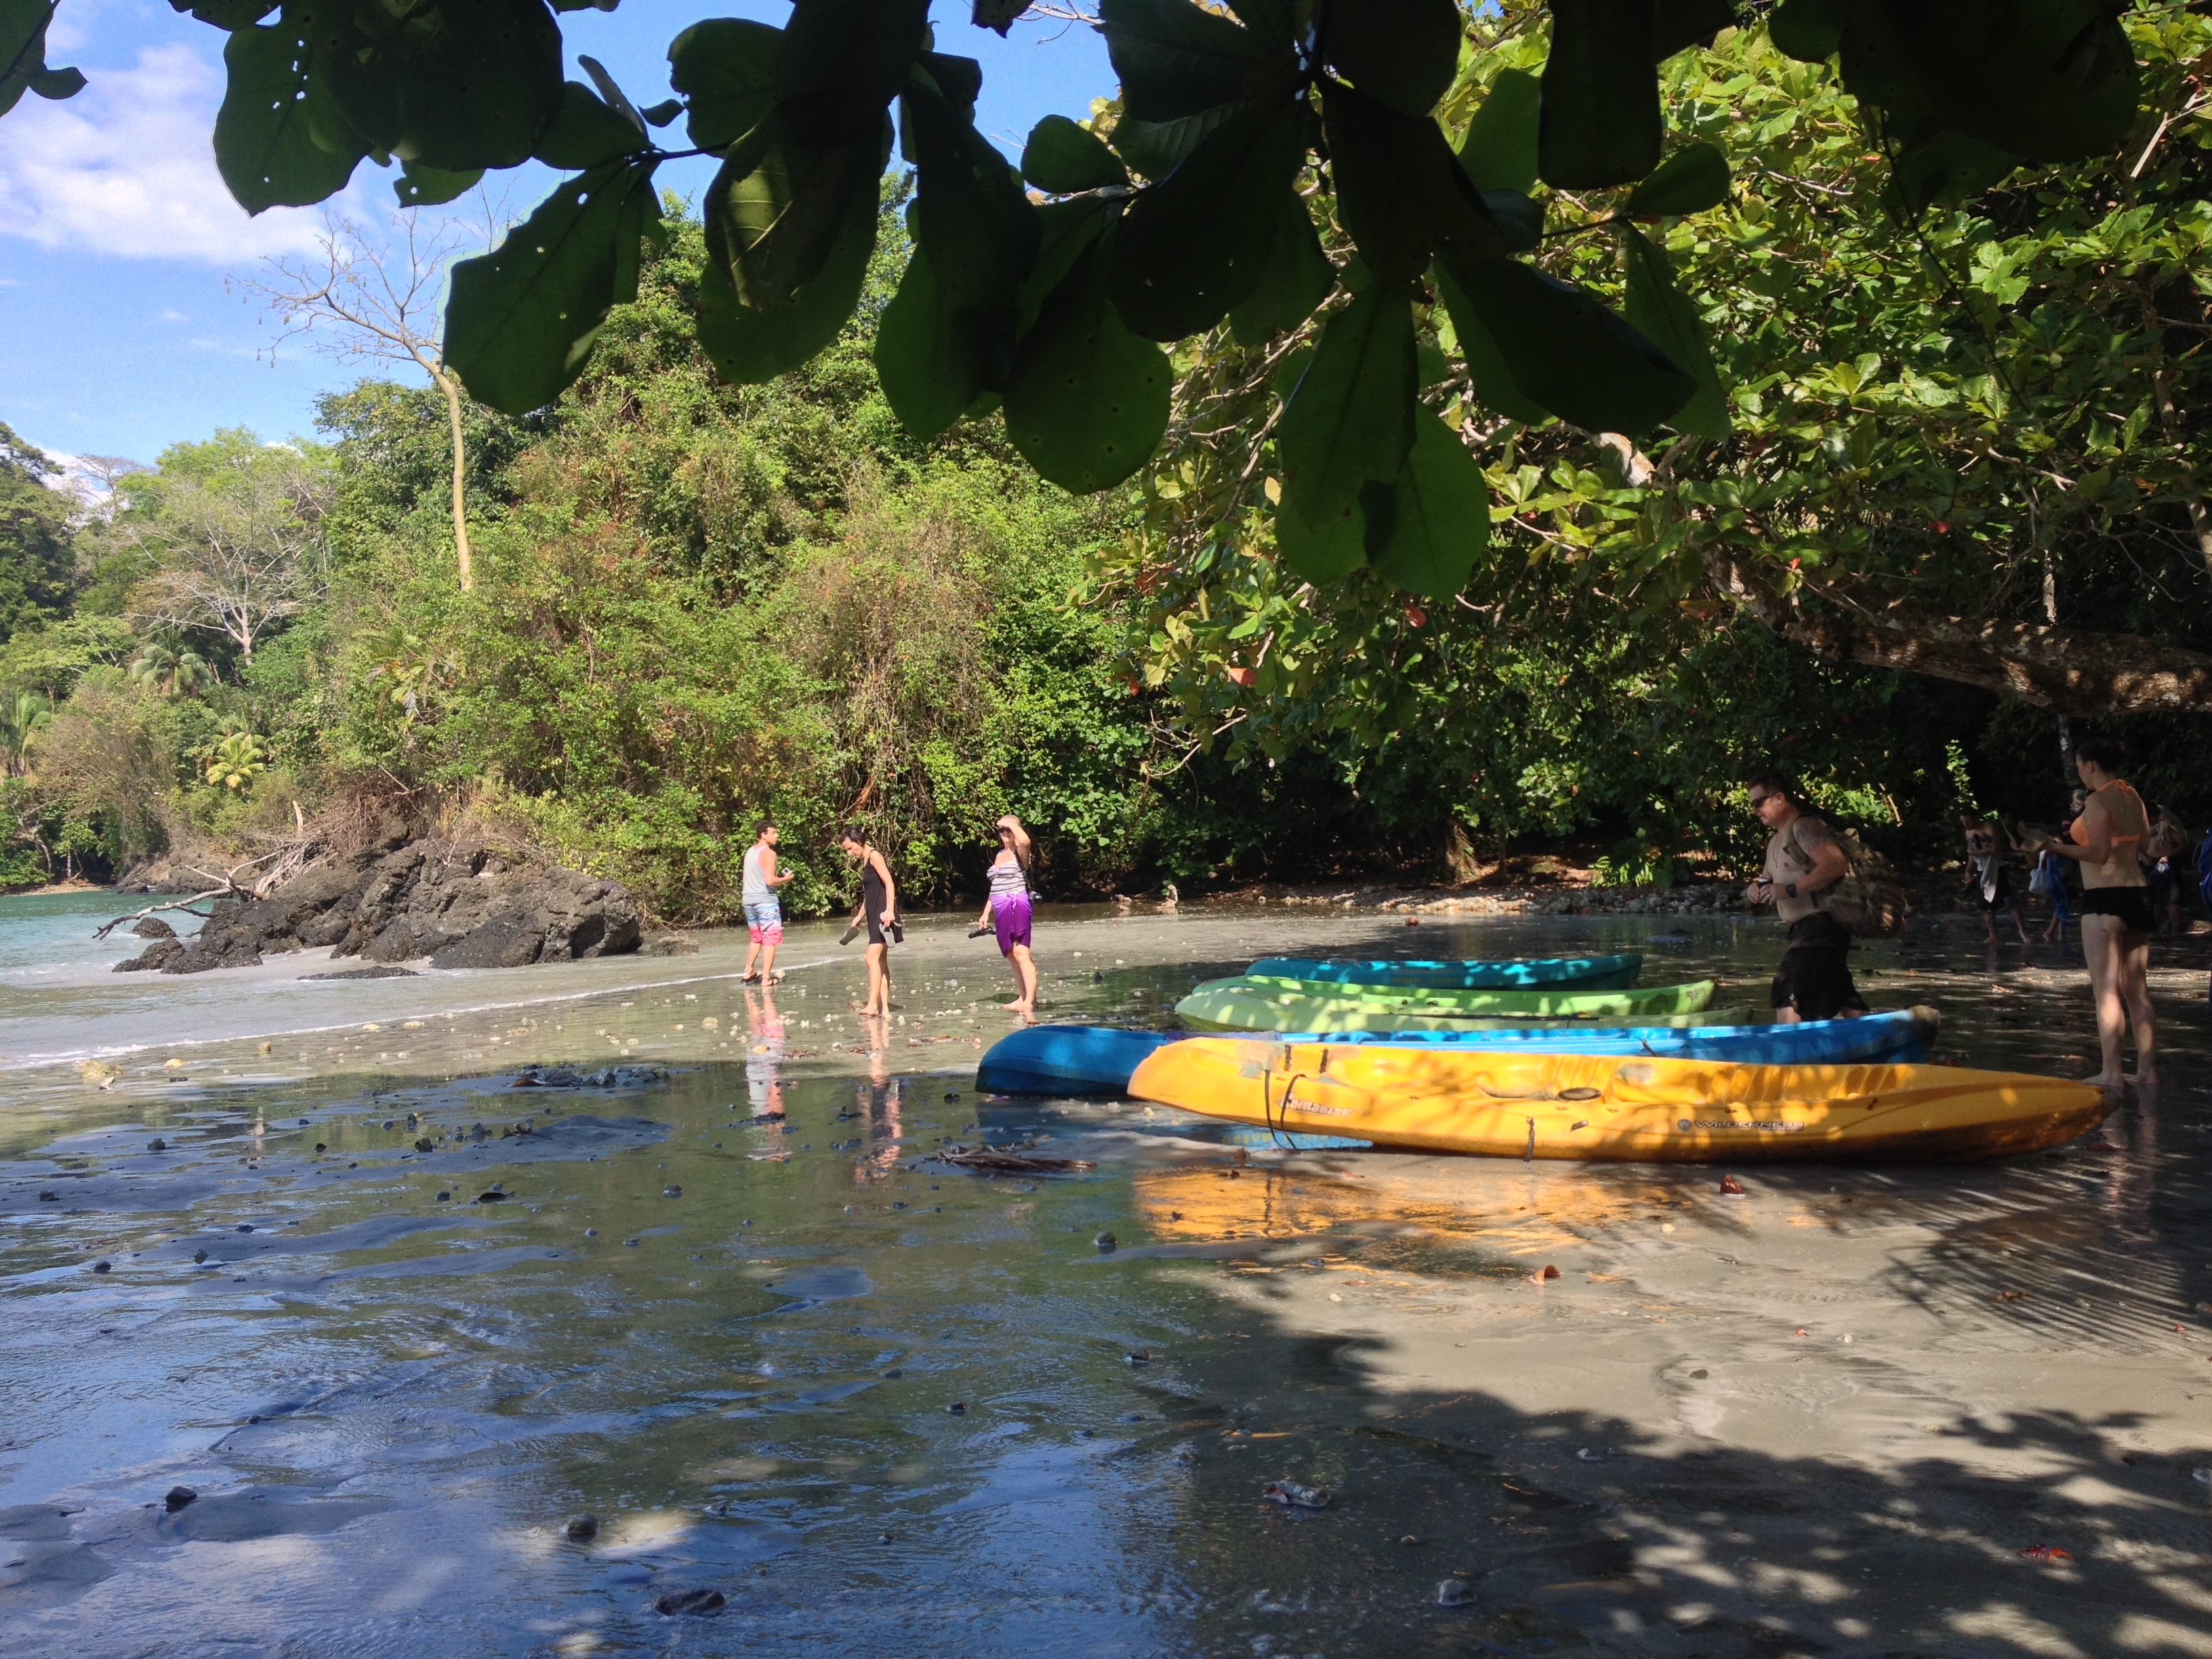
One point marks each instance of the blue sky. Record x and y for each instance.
(117, 335)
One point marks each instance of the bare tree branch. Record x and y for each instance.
(381, 302)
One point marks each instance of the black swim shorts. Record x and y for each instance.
(2132, 905)
(1815, 975)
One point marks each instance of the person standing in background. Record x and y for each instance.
(2058, 876)
(877, 913)
(1007, 913)
(2116, 919)
(763, 910)
(2162, 862)
(1989, 871)
(1803, 860)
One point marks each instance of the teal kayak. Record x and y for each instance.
(1253, 1003)
(1613, 972)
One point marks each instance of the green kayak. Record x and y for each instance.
(1277, 1004)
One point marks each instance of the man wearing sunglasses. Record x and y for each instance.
(1803, 860)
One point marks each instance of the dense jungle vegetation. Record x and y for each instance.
(696, 606)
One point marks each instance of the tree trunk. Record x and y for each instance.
(452, 387)
(2067, 671)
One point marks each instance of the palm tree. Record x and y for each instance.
(235, 760)
(172, 673)
(18, 721)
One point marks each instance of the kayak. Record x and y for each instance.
(1522, 973)
(1597, 1107)
(1096, 1060)
(1337, 1018)
(1067, 1060)
(1248, 1004)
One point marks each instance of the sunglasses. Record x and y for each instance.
(1757, 801)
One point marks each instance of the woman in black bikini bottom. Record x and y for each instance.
(2116, 914)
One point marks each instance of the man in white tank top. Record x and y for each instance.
(764, 911)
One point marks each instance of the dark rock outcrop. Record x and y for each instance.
(153, 928)
(462, 904)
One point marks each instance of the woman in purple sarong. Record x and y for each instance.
(1007, 911)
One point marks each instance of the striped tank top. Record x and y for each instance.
(1007, 880)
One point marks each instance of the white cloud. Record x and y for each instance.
(127, 167)
(171, 314)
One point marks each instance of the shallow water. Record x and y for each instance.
(1826, 1417)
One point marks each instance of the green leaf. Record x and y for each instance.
(841, 64)
(1807, 30)
(1065, 230)
(1155, 149)
(969, 211)
(1197, 242)
(1569, 352)
(960, 79)
(1297, 277)
(1520, 219)
(421, 186)
(587, 131)
(777, 207)
(1404, 52)
(1486, 364)
(225, 15)
(522, 320)
(58, 83)
(466, 83)
(1599, 124)
(1088, 400)
(1273, 21)
(998, 15)
(1499, 150)
(725, 70)
(931, 358)
(1946, 166)
(1175, 59)
(1655, 304)
(661, 114)
(1399, 190)
(1692, 180)
(748, 346)
(270, 146)
(2047, 79)
(1064, 160)
(1350, 418)
(1426, 527)
(1321, 547)
(1682, 24)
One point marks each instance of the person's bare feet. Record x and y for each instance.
(2146, 1078)
(2106, 1080)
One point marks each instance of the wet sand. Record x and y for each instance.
(1831, 1416)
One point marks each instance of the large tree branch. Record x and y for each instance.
(2066, 670)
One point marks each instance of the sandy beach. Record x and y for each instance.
(1946, 1410)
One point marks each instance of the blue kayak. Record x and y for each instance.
(1097, 1059)
(1615, 973)
(1068, 1060)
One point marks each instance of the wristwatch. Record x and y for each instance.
(1791, 889)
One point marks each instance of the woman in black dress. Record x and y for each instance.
(877, 912)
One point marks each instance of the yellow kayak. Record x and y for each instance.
(1592, 1106)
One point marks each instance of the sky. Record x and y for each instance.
(122, 328)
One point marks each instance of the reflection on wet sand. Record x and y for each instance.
(876, 1404)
